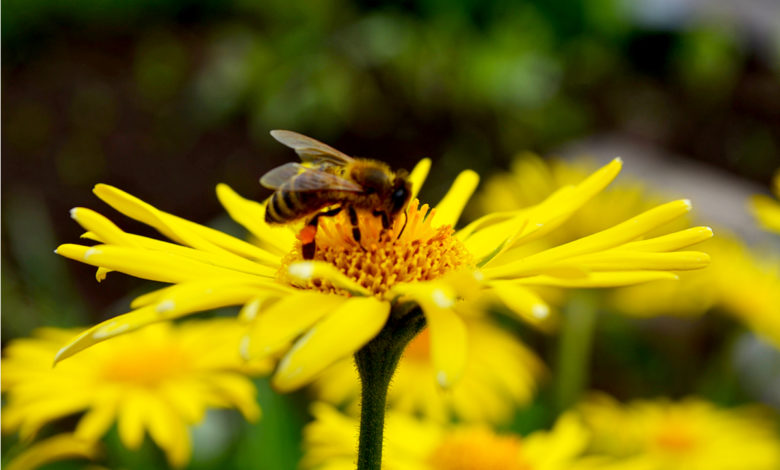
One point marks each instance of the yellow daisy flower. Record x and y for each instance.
(54, 449)
(318, 311)
(411, 444)
(156, 380)
(766, 209)
(500, 373)
(688, 435)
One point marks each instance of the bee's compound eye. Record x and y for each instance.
(399, 198)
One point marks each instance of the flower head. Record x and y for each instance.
(329, 442)
(157, 379)
(766, 209)
(317, 311)
(692, 434)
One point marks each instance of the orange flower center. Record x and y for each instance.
(149, 366)
(410, 250)
(676, 439)
(478, 449)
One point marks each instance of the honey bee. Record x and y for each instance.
(328, 178)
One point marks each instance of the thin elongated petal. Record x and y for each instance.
(448, 210)
(447, 330)
(559, 206)
(418, 175)
(338, 335)
(100, 227)
(184, 300)
(624, 260)
(131, 420)
(287, 319)
(239, 393)
(522, 301)
(672, 241)
(251, 215)
(600, 279)
(146, 264)
(98, 420)
(178, 229)
(54, 449)
(310, 270)
(606, 239)
(168, 431)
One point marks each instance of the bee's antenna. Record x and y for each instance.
(406, 220)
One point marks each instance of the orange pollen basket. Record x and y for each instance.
(410, 250)
(478, 449)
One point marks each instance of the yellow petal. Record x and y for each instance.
(98, 420)
(600, 279)
(288, 318)
(606, 239)
(151, 265)
(338, 335)
(447, 330)
(448, 210)
(238, 392)
(559, 206)
(672, 241)
(251, 214)
(418, 175)
(54, 449)
(130, 421)
(767, 211)
(622, 260)
(180, 300)
(168, 431)
(100, 227)
(523, 302)
(177, 229)
(32, 419)
(309, 270)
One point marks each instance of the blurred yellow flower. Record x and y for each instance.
(319, 311)
(689, 435)
(158, 380)
(766, 209)
(500, 373)
(54, 449)
(411, 444)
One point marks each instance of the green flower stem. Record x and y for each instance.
(376, 363)
(574, 348)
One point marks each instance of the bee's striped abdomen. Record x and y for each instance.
(287, 204)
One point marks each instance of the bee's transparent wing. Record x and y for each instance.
(311, 150)
(303, 178)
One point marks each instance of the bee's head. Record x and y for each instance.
(402, 191)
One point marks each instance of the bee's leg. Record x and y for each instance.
(353, 219)
(385, 218)
(309, 243)
(406, 220)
